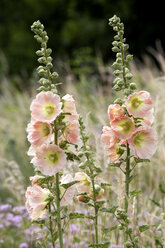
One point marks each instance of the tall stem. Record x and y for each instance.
(96, 213)
(58, 211)
(51, 226)
(127, 178)
(58, 194)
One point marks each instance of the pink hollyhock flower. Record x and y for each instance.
(99, 192)
(84, 184)
(46, 107)
(123, 127)
(113, 153)
(36, 201)
(115, 111)
(108, 137)
(72, 132)
(32, 150)
(38, 132)
(69, 104)
(34, 179)
(49, 159)
(143, 142)
(139, 103)
(70, 192)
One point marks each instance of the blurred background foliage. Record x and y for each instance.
(74, 24)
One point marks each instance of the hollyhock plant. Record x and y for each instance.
(38, 132)
(49, 159)
(139, 104)
(46, 107)
(143, 142)
(115, 111)
(133, 129)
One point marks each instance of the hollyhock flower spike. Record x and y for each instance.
(46, 107)
(49, 159)
(84, 184)
(123, 127)
(38, 132)
(143, 142)
(36, 201)
(139, 103)
(115, 111)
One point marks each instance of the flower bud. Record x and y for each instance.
(115, 49)
(132, 86)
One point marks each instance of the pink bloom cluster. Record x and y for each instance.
(130, 123)
(49, 158)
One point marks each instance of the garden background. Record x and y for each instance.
(81, 42)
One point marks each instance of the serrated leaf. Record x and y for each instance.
(109, 210)
(143, 228)
(97, 169)
(76, 215)
(67, 185)
(135, 193)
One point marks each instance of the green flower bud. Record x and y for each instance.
(115, 43)
(116, 37)
(49, 65)
(80, 154)
(39, 53)
(117, 72)
(129, 57)
(126, 47)
(128, 244)
(83, 165)
(116, 80)
(118, 101)
(132, 86)
(115, 65)
(120, 82)
(42, 60)
(55, 74)
(115, 49)
(116, 88)
(129, 76)
(119, 60)
(48, 51)
(118, 55)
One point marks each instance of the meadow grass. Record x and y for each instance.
(92, 100)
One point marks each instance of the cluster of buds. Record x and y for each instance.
(123, 80)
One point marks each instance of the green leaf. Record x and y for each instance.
(68, 185)
(76, 215)
(135, 193)
(140, 160)
(97, 169)
(162, 190)
(143, 228)
(155, 202)
(105, 184)
(101, 245)
(109, 210)
(114, 164)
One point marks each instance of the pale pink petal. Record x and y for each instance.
(84, 184)
(69, 104)
(139, 103)
(115, 111)
(123, 127)
(143, 142)
(49, 159)
(108, 137)
(46, 107)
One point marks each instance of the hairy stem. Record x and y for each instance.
(127, 177)
(51, 226)
(58, 211)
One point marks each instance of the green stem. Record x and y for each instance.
(96, 213)
(127, 177)
(58, 211)
(51, 226)
(58, 194)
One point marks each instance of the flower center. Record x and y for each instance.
(45, 130)
(52, 158)
(126, 126)
(139, 139)
(136, 102)
(49, 110)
